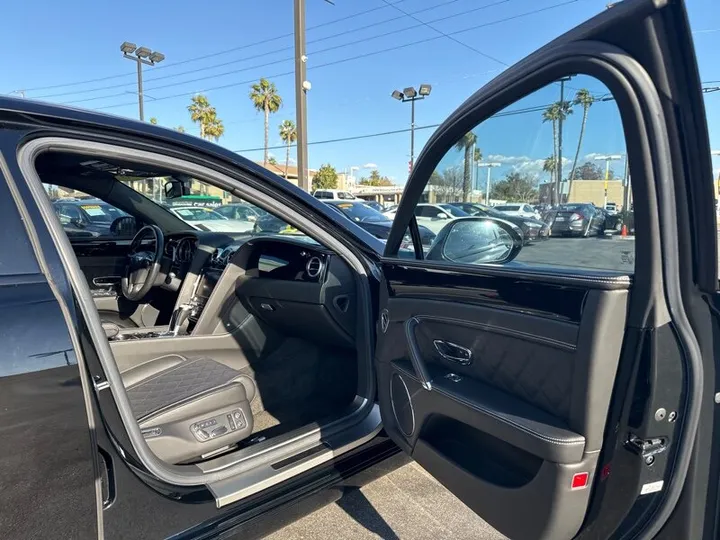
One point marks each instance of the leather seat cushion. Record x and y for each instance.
(172, 380)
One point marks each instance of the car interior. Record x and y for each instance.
(224, 341)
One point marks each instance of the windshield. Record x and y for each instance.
(360, 212)
(198, 214)
(453, 210)
(508, 208)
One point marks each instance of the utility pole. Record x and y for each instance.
(143, 55)
(301, 88)
(489, 166)
(558, 165)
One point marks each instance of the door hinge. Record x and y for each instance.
(646, 448)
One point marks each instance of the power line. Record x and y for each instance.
(340, 61)
(269, 53)
(226, 51)
(412, 16)
(526, 110)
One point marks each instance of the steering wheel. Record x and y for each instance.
(143, 264)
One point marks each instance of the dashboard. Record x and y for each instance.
(290, 284)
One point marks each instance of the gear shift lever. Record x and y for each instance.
(178, 318)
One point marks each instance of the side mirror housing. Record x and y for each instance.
(477, 240)
(442, 215)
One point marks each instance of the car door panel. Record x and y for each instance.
(510, 428)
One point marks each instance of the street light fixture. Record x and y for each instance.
(143, 55)
(411, 95)
(607, 159)
(489, 165)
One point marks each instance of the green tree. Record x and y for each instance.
(549, 166)
(325, 178)
(153, 121)
(288, 134)
(265, 98)
(477, 158)
(515, 187)
(447, 185)
(592, 171)
(467, 145)
(375, 180)
(585, 99)
(273, 161)
(180, 129)
(201, 112)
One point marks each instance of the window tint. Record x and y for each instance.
(517, 159)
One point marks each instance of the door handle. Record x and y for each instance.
(453, 352)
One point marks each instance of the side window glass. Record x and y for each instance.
(543, 169)
(86, 217)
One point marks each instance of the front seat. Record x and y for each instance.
(188, 408)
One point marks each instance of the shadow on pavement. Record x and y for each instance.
(359, 508)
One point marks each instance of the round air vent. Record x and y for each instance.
(402, 405)
(313, 267)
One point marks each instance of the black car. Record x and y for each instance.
(374, 205)
(581, 219)
(532, 229)
(87, 218)
(373, 221)
(228, 384)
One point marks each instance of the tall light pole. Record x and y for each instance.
(302, 85)
(143, 55)
(489, 166)
(412, 95)
(607, 159)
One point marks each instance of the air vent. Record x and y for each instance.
(313, 267)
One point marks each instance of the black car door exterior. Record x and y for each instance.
(562, 396)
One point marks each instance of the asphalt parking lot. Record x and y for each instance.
(407, 503)
(607, 253)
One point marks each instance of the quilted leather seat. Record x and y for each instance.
(189, 407)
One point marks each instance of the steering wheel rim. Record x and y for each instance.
(142, 267)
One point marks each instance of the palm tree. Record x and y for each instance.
(551, 114)
(288, 133)
(467, 145)
(555, 113)
(265, 98)
(549, 166)
(153, 121)
(180, 129)
(585, 99)
(211, 127)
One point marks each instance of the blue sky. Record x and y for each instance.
(78, 40)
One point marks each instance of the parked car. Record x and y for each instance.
(375, 222)
(375, 205)
(88, 218)
(611, 208)
(334, 195)
(434, 216)
(207, 219)
(581, 219)
(519, 209)
(239, 211)
(230, 383)
(532, 229)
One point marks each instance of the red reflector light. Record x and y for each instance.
(579, 480)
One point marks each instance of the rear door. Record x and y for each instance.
(558, 390)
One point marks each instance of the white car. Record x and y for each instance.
(207, 219)
(519, 209)
(334, 195)
(436, 216)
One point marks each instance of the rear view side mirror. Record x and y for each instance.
(77, 222)
(477, 240)
(176, 188)
(252, 219)
(442, 215)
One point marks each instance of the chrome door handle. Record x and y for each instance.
(453, 352)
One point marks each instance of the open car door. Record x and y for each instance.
(561, 393)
